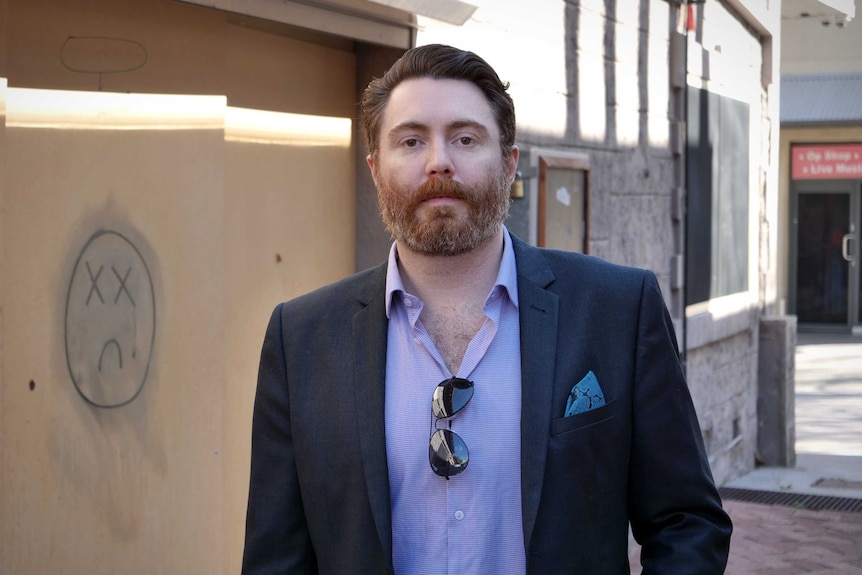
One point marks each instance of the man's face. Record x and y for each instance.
(442, 181)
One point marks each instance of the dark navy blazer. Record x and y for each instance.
(319, 493)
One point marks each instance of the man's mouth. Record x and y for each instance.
(442, 199)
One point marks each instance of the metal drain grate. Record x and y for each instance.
(800, 500)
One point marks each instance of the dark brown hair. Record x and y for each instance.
(439, 62)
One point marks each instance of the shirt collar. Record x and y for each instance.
(507, 276)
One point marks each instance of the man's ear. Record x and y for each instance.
(513, 163)
(369, 159)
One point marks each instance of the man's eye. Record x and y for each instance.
(465, 140)
(411, 142)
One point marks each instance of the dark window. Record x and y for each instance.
(717, 214)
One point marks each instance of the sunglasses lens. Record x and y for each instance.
(450, 397)
(447, 453)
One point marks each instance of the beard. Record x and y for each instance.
(442, 230)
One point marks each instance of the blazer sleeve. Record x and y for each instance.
(675, 509)
(276, 538)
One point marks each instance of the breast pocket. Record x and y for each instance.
(583, 420)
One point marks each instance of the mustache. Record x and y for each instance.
(440, 188)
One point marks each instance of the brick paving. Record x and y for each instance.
(780, 540)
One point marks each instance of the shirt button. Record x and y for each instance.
(408, 303)
(459, 515)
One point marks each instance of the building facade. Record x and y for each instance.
(821, 168)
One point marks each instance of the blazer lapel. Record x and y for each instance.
(538, 312)
(369, 334)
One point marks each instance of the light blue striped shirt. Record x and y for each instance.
(470, 524)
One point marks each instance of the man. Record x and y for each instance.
(475, 405)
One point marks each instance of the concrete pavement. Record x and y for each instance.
(816, 525)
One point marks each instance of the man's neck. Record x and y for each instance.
(453, 290)
(441, 279)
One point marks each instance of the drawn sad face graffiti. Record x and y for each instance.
(110, 321)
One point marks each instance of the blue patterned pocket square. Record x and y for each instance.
(585, 396)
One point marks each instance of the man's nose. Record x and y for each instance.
(439, 161)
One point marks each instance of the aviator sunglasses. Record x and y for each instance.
(447, 452)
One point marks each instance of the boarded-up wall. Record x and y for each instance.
(147, 230)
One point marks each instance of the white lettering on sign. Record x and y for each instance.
(836, 156)
(849, 169)
(826, 161)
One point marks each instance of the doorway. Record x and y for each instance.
(825, 256)
(563, 217)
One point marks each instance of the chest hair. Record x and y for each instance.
(452, 330)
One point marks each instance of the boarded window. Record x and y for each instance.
(718, 180)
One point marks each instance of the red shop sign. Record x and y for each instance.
(826, 162)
